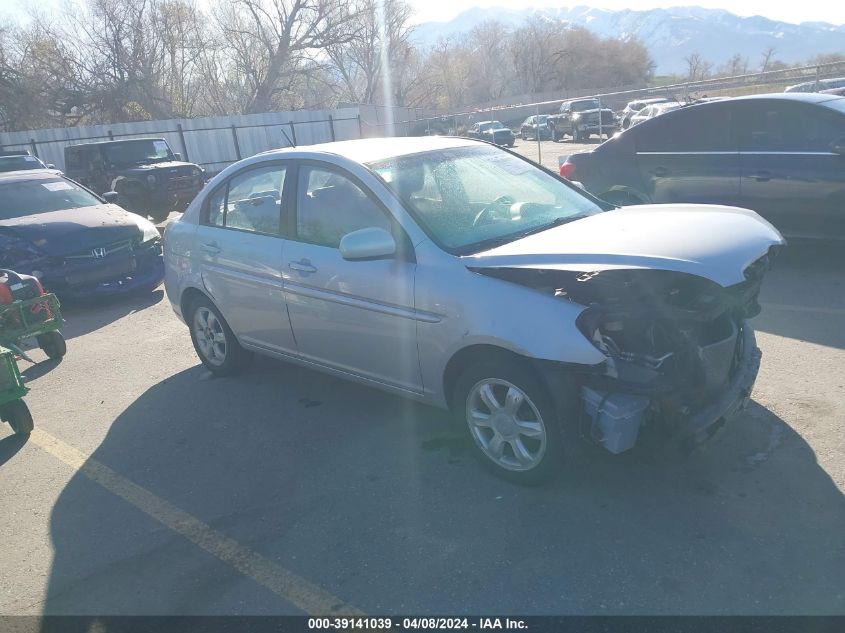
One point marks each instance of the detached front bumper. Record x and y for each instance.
(704, 424)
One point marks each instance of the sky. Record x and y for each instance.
(444, 10)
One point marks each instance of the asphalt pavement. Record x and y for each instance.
(150, 487)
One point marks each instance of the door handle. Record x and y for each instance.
(660, 172)
(210, 247)
(303, 266)
(762, 176)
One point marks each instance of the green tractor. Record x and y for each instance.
(12, 390)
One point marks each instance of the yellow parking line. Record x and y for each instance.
(794, 308)
(296, 590)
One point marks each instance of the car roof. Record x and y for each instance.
(28, 174)
(806, 97)
(123, 140)
(375, 149)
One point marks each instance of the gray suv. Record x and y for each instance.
(462, 275)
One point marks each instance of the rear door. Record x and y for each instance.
(689, 155)
(239, 246)
(790, 176)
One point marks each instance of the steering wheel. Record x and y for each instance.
(485, 216)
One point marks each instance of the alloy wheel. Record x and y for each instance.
(505, 424)
(210, 336)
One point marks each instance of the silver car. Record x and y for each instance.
(465, 276)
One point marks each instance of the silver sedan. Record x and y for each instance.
(465, 276)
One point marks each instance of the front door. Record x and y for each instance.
(353, 316)
(689, 155)
(239, 244)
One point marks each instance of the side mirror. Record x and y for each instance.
(177, 155)
(111, 197)
(370, 243)
(838, 146)
(50, 166)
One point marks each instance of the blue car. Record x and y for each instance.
(78, 244)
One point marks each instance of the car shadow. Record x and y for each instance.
(380, 502)
(83, 317)
(803, 296)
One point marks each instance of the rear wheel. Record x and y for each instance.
(17, 414)
(511, 420)
(214, 341)
(53, 344)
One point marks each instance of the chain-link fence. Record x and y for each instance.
(512, 112)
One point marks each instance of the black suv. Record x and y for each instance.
(149, 178)
(781, 155)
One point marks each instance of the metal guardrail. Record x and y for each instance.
(685, 89)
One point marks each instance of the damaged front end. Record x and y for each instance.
(680, 355)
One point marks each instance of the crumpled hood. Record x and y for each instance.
(713, 242)
(68, 231)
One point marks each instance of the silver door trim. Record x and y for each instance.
(789, 153)
(688, 153)
(742, 153)
(275, 283)
(364, 304)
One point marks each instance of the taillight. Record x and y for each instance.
(567, 169)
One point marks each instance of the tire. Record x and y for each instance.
(53, 344)
(527, 458)
(510, 144)
(17, 414)
(159, 215)
(125, 203)
(214, 341)
(621, 198)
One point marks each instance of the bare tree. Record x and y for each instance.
(767, 56)
(697, 67)
(379, 33)
(270, 39)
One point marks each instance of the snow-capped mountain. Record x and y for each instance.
(670, 34)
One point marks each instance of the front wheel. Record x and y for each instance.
(214, 341)
(17, 414)
(53, 344)
(511, 420)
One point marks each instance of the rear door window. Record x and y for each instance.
(772, 126)
(249, 201)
